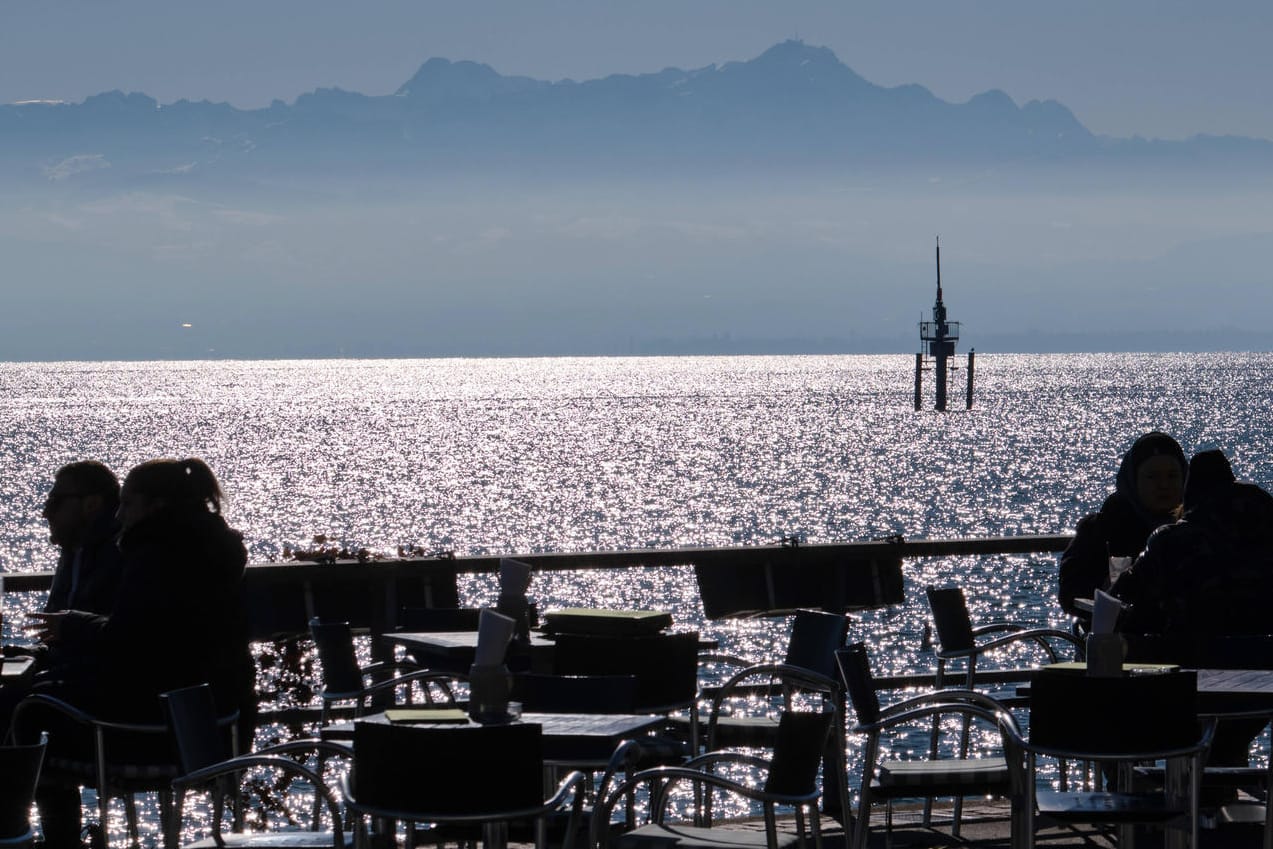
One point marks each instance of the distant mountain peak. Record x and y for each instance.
(462, 80)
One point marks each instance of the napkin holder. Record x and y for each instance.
(1105, 655)
(489, 685)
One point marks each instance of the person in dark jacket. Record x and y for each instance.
(1146, 495)
(80, 510)
(177, 621)
(1209, 575)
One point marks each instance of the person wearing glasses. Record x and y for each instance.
(80, 510)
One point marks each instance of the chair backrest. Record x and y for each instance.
(335, 644)
(436, 619)
(950, 615)
(815, 636)
(1142, 713)
(541, 693)
(802, 740)
(192, 716)
(456, 770)
(665, 666)
(19, 774)
(855, 669)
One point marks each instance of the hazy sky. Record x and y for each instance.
(1161, 69)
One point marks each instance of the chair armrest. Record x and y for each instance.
(785, 673)
(306, 745)
(994, 716)
(997, 627)
(726, 659)
(82, 716)
(204, 776)
(1198, 748)
(1042, 636)
(664, 777)
(389, 666)
(422, 675)
(948, 696)
(711, 759)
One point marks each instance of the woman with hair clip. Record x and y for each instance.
(177, 620)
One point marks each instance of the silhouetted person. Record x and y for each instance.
(1211, 573)
(1147, 493)
(1208, 575)
(177, 621)
(80, 510)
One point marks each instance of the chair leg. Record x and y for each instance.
(815, 827)
(130, 810)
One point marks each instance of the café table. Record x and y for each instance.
(453, 651)
(575, 740)
(16, 671)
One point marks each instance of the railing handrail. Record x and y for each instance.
(713, 556)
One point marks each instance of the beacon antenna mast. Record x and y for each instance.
(937, 340)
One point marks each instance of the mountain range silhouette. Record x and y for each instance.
(794, 107)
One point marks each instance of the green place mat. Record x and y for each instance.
(427, 714)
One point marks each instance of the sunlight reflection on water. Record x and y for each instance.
(528, 455)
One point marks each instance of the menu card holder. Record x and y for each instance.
(489, 680)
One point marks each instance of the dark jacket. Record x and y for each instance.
(177, 620)
(1120, 529)
(92, 585)
(1210, 574)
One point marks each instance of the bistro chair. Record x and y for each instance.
(797, 686)
(485, 775)
(790, 781)
(886, 779)
(958, 639)
(208, 763)
(343, 680)
(19, 774)
(127, 758)
(1120, 721)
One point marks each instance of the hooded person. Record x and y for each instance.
(1211, 573)
(1205, 579)
(1147, 494)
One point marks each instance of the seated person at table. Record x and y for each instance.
(1208, 575)
(1146, 495)
(177, 621)
(80, 511)
(1211, 573)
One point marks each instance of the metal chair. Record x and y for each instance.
(345, 681)
(208, 762)
(791, 780)
(1146, 718)
(19, 774)
(124, 758)
(934, 777)
(959, 639)
(461, 775)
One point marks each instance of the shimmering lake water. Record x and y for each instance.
(524, 455)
